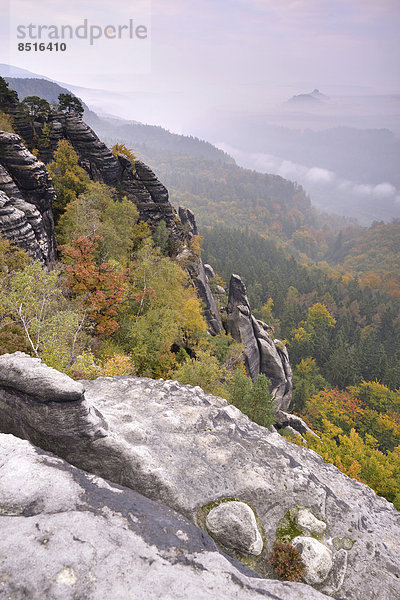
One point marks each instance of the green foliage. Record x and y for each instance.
(69, 179)
(220, 192)
(370, 408)
(161, 237)
(204, 370)
(307, 381)
(98, 212)
(8, 97)
(377, 397)
(85, 366)
(313, 337)
(287, 562)
(364, 343)
(252, 398)
(359, 432)
(44, 139)
(35, 107)
(32, 302)
(12, 259)
(265, 313)
(228, 352)
(70, 104)
(6, 123)
(373, 253)
(122, 150)
(162, 310)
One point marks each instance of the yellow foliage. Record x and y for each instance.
(121, 149)
(119, 364)
(6, 123)
(195, 244)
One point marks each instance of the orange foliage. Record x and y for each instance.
(100, 287)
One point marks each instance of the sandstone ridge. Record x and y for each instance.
(191, 451)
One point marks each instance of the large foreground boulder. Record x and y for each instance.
(66, 534)
(189, 450)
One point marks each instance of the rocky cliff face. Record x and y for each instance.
(263, 354)
(26, 197)
(193, 452)
(141, 186)
(197, 272)
(25, 210)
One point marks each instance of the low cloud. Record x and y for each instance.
(312, 177)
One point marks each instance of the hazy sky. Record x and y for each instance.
(228, 53)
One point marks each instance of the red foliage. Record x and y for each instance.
(287, 562)
(101, 287)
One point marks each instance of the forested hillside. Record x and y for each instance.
(374, 254)
(363, 342)
(119, 297)
(343, 337)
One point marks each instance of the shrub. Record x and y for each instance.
(252, 398)
(287, 562)
(6, 123)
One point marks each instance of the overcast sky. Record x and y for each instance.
(202, 54)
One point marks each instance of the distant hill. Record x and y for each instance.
(151, 137)
(11, 71)
(312, 97)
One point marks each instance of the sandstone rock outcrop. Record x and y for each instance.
(262, 353)
(184, 448)
(25, 211)
(26, 199)
(30, 376)
(197, 273)
(68, 534)
(141, 186)
(309, 523)
(209, 271)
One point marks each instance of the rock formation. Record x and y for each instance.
(197, 273)
(189, 450)
(68, 534)
(26, 198)
(262, 353)
(25, 211)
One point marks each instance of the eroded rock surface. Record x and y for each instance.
(23, 373)
(263, 354)
(67, 534)
(316, 557)
(198, 275)
(309, 523)
(26, 199)
(234, 525)
(25, 209)
(185, 448)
